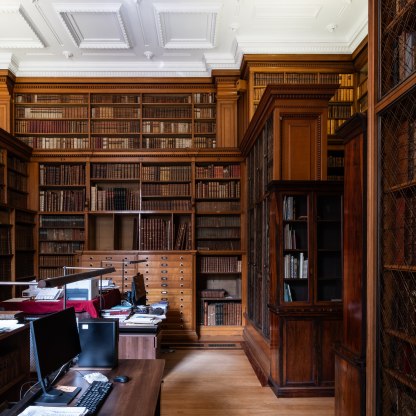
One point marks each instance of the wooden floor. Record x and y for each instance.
(222, 382)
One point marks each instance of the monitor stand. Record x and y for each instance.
(56, 397)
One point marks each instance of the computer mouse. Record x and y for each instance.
(121, 379)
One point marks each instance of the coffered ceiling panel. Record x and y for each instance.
(16, 30)
(168, 38)
(97, 26)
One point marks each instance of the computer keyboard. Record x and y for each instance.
(94, 396)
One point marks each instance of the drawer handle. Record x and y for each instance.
(164, 299)
(181, 278)
(164, 265)
(109, 258)
(164, 257)
(163, 271)
(182, 271)
(164, 292)
(181, 285)
(164, 285)
(164, 278)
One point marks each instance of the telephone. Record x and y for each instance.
(50, 293)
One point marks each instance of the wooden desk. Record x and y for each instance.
(138, 397)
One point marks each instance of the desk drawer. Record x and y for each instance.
(167, 284)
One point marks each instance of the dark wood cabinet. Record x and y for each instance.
(350, 353)
(306, 268)
(392, 213)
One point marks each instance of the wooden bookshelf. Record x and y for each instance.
(107, 122)
(17, 222)
(392, 138)
(306, 266)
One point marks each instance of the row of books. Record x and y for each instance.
(5, 241)
(17, 181)
(167, 112)
(52, 98)
(265, 78)
(166, 205)
(61, 247)
(157, 127)
(291, 236)
(47, 273)
(56, 261)
(167, 98)
(204, 97)
(290, 207)
(115, 98)
(229, 189)
(17, 164)
(23, 237)
(218, 245)
(51, 126)
(295, 267)
(217, 206)
(205, 112)
(183, 239)
(217, 233)
(205, 127)
(220, 313)
(115, 112)
(219, 264)
(63, 174)
(340, 111)
(115, 127)
(166, 173)
(62, 200)
(154, 234)
(335, 161)
(343, 94)
(112, 143)
(218, 171)
(404, 56)
(115, 170)
(406, 152)
(218, 222)
(333, 124)
(52, 112)
(166, 189)
(62, 221)
(114, 199)
(61, 234)
(57, 142)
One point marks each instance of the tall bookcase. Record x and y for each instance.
(122, 172)
(306, 268)
(392, 117)
(17, 222)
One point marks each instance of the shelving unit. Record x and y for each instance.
(108, 122)
(218, 241)
(306, 264)
(392, 138)
(6, 254)
(62, 199)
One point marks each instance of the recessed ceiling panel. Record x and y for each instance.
(94, 26)
(187, 25)
(16, 30)
(293, 9)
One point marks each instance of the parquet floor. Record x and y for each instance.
(220, 382)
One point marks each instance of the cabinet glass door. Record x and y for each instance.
(295, 246)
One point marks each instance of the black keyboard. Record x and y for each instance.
(94, 396)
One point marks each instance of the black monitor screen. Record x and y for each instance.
(55, 341)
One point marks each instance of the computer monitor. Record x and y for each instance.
(56, 342)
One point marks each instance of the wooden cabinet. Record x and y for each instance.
(136, 345)
(169, 276)
(293, 117)
(306, 271)
(350, 354)
(17, 222)
(392, 209)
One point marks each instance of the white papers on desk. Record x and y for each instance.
(143, 319)
(9, 325)
(16, 300)
(54, 411)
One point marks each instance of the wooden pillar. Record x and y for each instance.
(6, 91)
(227, 97)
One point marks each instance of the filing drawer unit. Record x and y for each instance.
(120, 260)
(169, 276)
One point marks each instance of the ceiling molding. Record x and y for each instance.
(201, 35)
(19, 28)
(104, 29)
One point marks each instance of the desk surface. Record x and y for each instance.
(139, 396)
(32, 307)
(140, 393)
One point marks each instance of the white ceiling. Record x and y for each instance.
(168, 38)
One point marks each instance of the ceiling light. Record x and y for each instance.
(67, 54)
(331, 27)
(148, 54)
